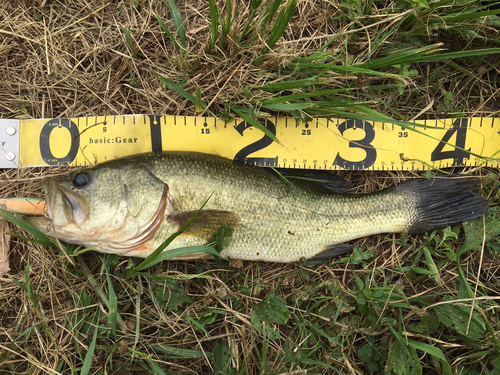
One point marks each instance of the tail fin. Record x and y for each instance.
(445, 201)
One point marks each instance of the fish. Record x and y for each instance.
(130, 206)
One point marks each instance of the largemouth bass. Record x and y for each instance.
(130, 206)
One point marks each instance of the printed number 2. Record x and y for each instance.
(262, 143)
(365, 144)
(458, 155)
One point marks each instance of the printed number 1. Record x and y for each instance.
(458, 155)
(155, 128)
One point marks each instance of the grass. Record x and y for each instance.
(398, 304)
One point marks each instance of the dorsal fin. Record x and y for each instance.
(317, 181)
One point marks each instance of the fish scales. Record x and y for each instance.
(131, 206)
(278, 222)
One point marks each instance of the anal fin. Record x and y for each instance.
(330, 251)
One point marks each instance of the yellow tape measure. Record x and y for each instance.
(319, 144)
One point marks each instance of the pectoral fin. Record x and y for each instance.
(206, 223)
(330, 252)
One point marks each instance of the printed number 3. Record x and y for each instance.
(365, 144)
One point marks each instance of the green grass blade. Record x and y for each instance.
(182, 251)
(33, 240)
(97, 287)
(169, 34)
(113, 305)
(422, 55)
(432, 265)
(291, 85)
(137, 319)
(430, 349)
(465, 290)
(346, 69)
(254, 5)
(469, 15)
(288, 107)
(226, 26)
(42, 238)
(175, 87)
(371, 112)
(198, 325)
(282, 20)
(156, 368)
(259, 126)
(454, 55)
(87, 362)
(402, 57)
(178, 22)
(271, 11)
(290, 98)
(129, 42)
(222, 358)
(214, 23)
(199, 105)
(181, 353)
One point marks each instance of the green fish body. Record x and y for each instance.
(131, 206)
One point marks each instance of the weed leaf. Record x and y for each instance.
(272, 309)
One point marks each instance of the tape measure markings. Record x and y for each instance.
(330, 144)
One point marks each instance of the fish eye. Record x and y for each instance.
(81, 180)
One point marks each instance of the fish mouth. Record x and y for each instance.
(49, 192)
(63, 207)
(44, 223)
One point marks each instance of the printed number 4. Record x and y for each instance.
(458, 154)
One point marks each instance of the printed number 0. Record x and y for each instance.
(364, 144)
(45, 133)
